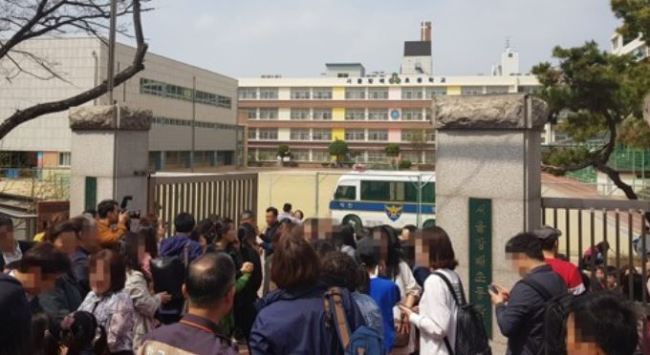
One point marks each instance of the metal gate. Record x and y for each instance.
(202, 195)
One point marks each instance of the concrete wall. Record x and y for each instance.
(97, 160)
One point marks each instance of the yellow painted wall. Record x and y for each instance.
(338, 93)
(338, 114)
(453, 90)
(338, 133)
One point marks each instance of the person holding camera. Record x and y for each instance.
(111, 223)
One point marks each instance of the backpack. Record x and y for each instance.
(168, 274)
(471, 336)
(556, 312)
(363, 341)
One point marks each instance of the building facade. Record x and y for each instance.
(368, 113)
(195, 110)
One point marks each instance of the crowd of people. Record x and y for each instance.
(100, 283)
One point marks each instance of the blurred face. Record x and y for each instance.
(7, 241)
(519, 262)
(66, 242)
(231, 235)
(162, 229)
(575, 345)
(100, 278)
(203, 241)
(600, 275)
(299, 215)
(271, 218)
(114, 215)
(611, 281)
(35, 282)
(88, 238)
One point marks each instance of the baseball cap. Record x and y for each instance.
(547, 232)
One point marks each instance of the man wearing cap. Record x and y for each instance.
(549, 236)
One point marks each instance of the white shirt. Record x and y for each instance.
(16, 255)
(438, 312)
(287, 215)
(407, 286)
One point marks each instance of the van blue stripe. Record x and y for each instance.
(380, 206)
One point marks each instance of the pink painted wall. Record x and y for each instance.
(394, 135)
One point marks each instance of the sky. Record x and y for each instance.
(295, 38)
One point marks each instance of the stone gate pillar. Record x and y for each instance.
(110, 156)
(488, 184)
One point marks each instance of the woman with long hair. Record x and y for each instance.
(226, 241)
(394, 267)
(245, 299)
(137, 254)
(436, 319)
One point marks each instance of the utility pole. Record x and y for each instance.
(110, 84)
(193, 123)
(111, 52)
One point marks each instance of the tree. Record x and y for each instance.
(392, 150)
(22, 20)
(405, 165)
(591, 93)
(418, 140)
(636, 18)
(283, 150)
(339, 149)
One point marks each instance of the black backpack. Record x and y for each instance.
(168, 273)
(555, 313)
(471, 336)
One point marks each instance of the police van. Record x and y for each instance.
(396, 198)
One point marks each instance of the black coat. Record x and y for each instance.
(521, 320)
(15, 327)
(245, 300)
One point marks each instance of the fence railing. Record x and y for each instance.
(618, 226)
(202, 195)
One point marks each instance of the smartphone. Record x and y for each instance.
(125, 202)
(494, 289)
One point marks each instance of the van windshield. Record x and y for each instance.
(345, 193)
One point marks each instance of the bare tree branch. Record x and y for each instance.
(84, 22)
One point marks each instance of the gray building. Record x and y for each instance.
(186, 101)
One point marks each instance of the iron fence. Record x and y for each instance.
(618, 226)
(202, 195)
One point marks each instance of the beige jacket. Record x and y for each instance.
(145, 303)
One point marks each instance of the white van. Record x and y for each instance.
(395, 198)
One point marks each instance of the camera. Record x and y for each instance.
(133, 214)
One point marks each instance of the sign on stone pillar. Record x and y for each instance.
(488, 148)
(110, 155)
(480, 256)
